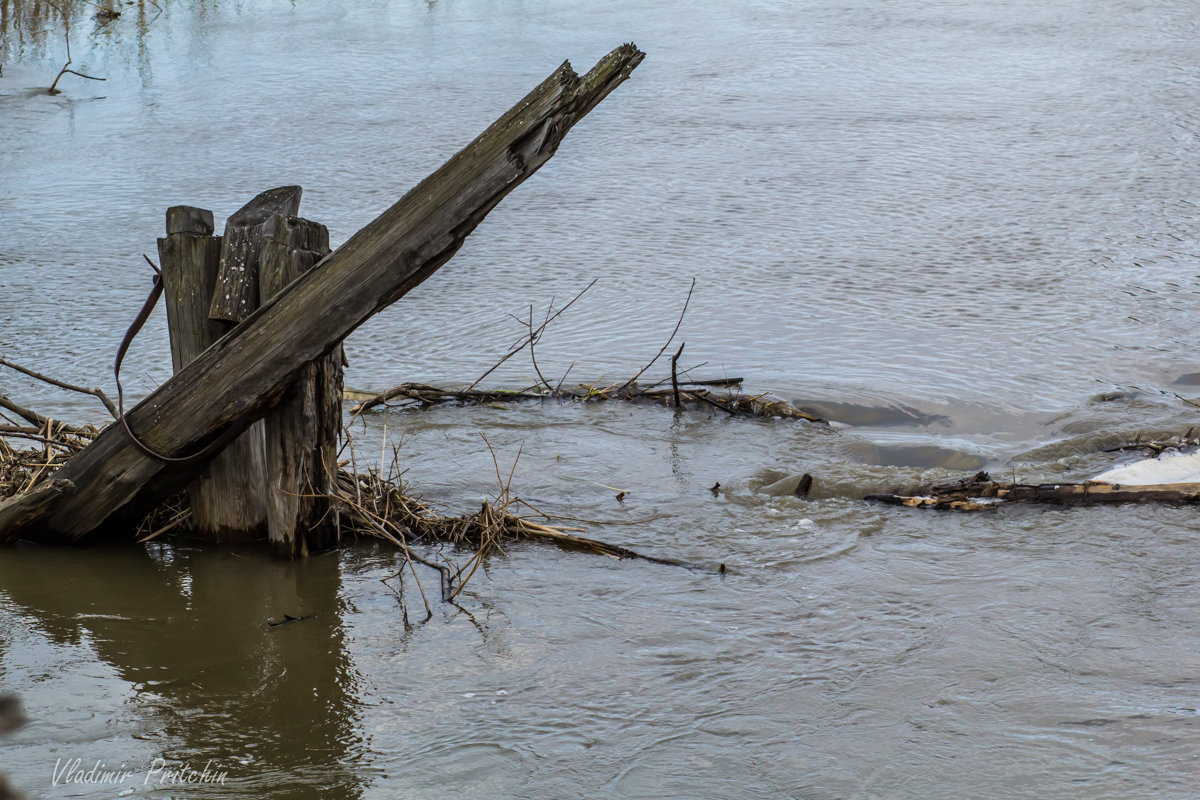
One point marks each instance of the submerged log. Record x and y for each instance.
(227, 497)
(243, 376)
(302, 431)
(980, 493)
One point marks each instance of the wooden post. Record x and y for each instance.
(234, 490)
(302, 431)
(228, 497)
(208, 295)
(243, 376)
(237, 283)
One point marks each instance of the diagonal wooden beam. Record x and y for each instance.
(241, 377)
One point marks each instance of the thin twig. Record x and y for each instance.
(670, 339)
(674, 374)
(96, 392)
(532, 341)
(519, 347)
(558, 388)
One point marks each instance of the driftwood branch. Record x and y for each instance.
(980, 493)
(695, 393)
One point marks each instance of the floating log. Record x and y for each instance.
(980, 493)
(238, 380)
(302, 431)
(227, 497)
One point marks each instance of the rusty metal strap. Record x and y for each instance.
(203, 455)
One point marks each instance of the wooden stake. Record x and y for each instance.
(302, 431)
(228, 498)
(236, 294)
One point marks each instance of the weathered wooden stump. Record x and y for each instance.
(278, 476)
(228, 497)
(245, 231)
(302, 431)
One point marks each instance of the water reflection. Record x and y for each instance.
(187, 630)
(947, 225)
(35, 28)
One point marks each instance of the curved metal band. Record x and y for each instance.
(203, 455)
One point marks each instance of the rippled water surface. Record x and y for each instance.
(966, 232)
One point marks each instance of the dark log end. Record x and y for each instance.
(189, 219)
(260, 210)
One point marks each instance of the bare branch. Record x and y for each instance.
(94, 391)
(519, 347)
(89, 77)
(669, 339)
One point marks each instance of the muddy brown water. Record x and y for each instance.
(967, 232)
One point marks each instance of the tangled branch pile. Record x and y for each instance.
(369, 504)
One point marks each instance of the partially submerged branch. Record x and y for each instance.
(680, 394)
(66, 67)
(379, 507)
(981, 493)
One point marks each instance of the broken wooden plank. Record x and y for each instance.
(236, 293)
(241, 377)
(302, 431)
(228, 497)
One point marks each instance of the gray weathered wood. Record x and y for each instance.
(34, 505)
(236, 294)
(228, 498)
(189, 219)
(302, 431)
(189, 274)
(242, 377)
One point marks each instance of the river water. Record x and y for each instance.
(966, 232)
